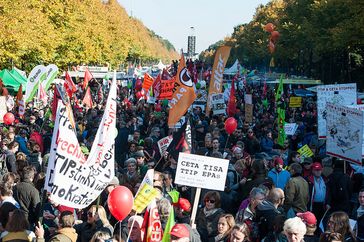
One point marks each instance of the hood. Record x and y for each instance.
(266, 205)
(69, 232)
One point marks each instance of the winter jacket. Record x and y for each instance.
(264, 216)
(22, 144)
(339, 183)
(311, 188)
(297, 194)
(280, 179)
(207, 225)
(65, 235)
(85, 230)
(266, 144)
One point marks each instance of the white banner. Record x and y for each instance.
(341, 94)
(38, 74)
(344, 132)
(52, 72)
(290, 128)
(361, 108)
(201, 171)
(72, 180)
(218, 105)
(164, 143)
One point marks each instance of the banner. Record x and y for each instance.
(341, 94)
(295, 102)
(36, 76)
(305, 151)
(183, 94)
(166, 89)
(361, 108)
(164, 143)
(144, 197)
(198, 171)
(3, 109)
(344, 132)
(72, 180)
(52, 72)
(249, 112)
(290, 128)
(221, 57)
(217, 104)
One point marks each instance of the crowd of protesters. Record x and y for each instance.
(271, 192)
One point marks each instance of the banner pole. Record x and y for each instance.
(131, 228)
(195, 207)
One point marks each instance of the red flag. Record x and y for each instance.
(100, 95)
(69, 85)
(87, 100)
(231, 110)
(88, 77)
(56, 97)
(42, 95)
(157, 86)
(152, 226)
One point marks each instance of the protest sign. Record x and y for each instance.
(166, 89)
(290, 128)
(361, 108)
(36, 76)
(52, 72)
(342, 94)
(144, 197)
(305, 151)
(249, 112)
(344, 132)
(3, 109)
(201, 171)
(164, 143)
(295, 102)
(217, 103)
(72, 180)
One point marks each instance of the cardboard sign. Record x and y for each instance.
(341, 94)
(217, 103)
(305, 151)
(344, 133)
(201, 171)
(249, 112)
(164, 143)
(166, 89)
(295, 102)
(290, 128)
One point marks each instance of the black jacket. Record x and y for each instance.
(265, 214)
(339, 183)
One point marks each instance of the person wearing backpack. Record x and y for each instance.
(339, 189)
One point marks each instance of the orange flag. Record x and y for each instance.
(183, 96)
(87, 100)
(148, 81)
(221, 57)
(88, 77)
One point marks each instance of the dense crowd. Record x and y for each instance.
(271, 192)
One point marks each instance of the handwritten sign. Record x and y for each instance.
(200, 171)
(249, 112)
(290, 128)
(164, 143)
(295, 102)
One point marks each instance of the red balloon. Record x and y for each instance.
(138, 85)
(271, 47)
(120, 202)
(8, 118)
(269, 27)
(275, 35)
(158, 108)
(230, 125)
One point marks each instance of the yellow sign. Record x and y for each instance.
(305, 151)
(295, 102)
(144, 197)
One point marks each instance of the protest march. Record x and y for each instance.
(204, 148)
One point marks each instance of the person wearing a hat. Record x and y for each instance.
(306, 165)
(182, 210)
(142, 168)
(180, 233)
(318, 191)
(279, 175)
(311, 225)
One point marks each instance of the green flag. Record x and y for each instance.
(168, 228)
(265, 103)
(279, 89)
(281, 134)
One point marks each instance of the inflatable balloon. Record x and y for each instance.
(230, 125)
(120, 202)
(275, 35)
(269, 27)
(8, 118)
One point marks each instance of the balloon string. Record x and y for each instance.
(131, 228)
(227, 141)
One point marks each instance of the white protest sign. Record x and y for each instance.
(52, 72)
(361, 108)
(3, 109)
(344, 132)
(164, 143)
(218, 105)
(248, 98)
(74, 181)
(341, 94)
(290, 128)
(201, 171)
(36, 76)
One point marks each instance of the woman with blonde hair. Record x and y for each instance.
(224, 226)
(96, 221)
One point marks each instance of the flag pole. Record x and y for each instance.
(132, 225)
